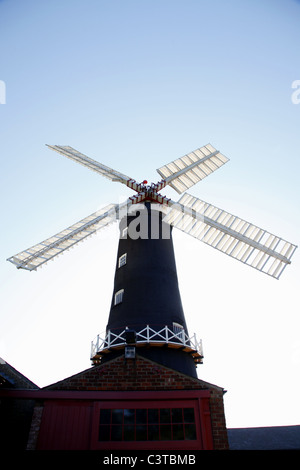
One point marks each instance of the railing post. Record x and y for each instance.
(167, 336)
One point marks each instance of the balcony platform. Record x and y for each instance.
(145, 338)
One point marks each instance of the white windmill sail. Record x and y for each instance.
(188, 170)
(39, 254)
(231, 235)
(220, 229)
(98, 167)
(78, 157)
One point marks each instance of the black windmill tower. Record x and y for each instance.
(146, 312)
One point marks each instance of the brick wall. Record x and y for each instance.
(218, 420)
(35, 427)
(127, 375)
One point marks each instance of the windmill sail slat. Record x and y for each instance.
(57, 244)
(188, 170)
(231, 235)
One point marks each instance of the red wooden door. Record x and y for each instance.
(66, 425)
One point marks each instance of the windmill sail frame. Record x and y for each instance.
(216, 227)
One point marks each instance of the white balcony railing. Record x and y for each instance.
(103, 344)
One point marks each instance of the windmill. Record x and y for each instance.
(146, 310)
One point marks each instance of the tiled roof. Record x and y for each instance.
(265, 438)
(11, 378)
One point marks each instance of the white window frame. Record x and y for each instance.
(119, 296)
(122, 260)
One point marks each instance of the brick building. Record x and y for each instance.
(146, 406)
(129, 404)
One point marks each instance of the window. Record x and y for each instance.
(119, 296)
(147, 424)
(168, 419)
(122, 260)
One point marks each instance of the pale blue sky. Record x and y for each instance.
(136, 84)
